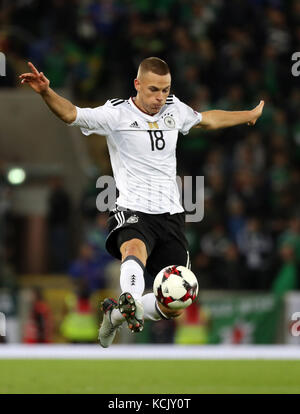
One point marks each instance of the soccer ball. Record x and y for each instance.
(175, 287)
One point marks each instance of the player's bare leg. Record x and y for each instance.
(134, 247)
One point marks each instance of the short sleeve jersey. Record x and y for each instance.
(142, 150)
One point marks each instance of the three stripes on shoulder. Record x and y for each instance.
(169, 100)
(118, 101)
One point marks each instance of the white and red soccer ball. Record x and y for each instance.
(175, 287)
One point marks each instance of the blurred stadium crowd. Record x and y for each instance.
(223, 55)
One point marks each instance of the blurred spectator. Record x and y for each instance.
(214, 243)
(212, 213)
(215, 161)
(88, 208)
(203, 15)
(255, 244)
(236, 219)
(249, 154)
(281, 211)
(287, 277)
(277, 30)
(39, 327)
(251, 189)
(88, 269)
(9, 290)
(201, 266)
(213, 246)
(291, 237)
(97, 232)
(104, 15)
(279, 171)
(56, 65)
(229, 271)
(193, 326)
(58, 224)
(80, 323)
(216, 184)
(95, 237)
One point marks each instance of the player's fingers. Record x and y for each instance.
(261, 104)
(43, 77)
(33, 68)
(27, 75)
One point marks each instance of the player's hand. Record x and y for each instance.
(256, 113)
(37, 80)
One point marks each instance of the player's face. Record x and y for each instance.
(153, 91)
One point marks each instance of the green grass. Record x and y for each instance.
(149, 377)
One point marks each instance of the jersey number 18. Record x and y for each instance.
(157, 140)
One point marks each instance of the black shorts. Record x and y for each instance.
(163, 235)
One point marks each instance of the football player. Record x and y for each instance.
(146, 226)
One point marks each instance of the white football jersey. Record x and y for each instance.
(142, 150)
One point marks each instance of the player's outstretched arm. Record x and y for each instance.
(60, 106)
(222, 119)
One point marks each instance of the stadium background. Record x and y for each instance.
(246, 252)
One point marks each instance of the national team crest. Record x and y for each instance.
(169, 122)
(153, 125)
(132, 219)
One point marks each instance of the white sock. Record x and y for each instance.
(132, 281)
(151, 311)
(132, 277)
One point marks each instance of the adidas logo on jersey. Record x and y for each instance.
(134, 125)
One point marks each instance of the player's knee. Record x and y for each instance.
(134, 247)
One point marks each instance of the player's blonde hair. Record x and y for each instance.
(153, 64)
